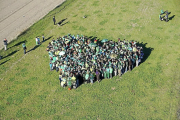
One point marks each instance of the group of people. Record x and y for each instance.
(78, 58)
(38, 40)
(162, 17)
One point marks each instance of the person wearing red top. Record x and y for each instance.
(95, 41)
(5, 44)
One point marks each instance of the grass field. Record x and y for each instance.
(29, 90)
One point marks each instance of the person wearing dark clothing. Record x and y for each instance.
(60, 78)
(129, 63)
(97, 75)
(161, 18)
(24, 48)
(54, 20)
(166, 16)
(77, 79)
(5, 44)
(43, 38)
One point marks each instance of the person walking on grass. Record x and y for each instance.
(54, 20)
(5, 43)
(24, 47)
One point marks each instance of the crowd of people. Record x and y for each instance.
(79, 58)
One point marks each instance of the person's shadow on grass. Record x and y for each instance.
(4, 62)
(170, 18)
(47, 39)
(33, 48)
(9, 54)
(146, 51)
(60, 22)
(19, 43)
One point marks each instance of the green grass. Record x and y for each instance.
(29, 90)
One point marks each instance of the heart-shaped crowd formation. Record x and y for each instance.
(81, 59)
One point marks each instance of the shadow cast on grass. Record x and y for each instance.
(24, 32)
(4, 62)
(64, 23)
(19, 43)
(170, 18)
(33, 48)
(60, 22)
(10, 54)
(47, 39)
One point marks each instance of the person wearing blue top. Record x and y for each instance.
(24, 48)
(50, 65)
(38, 41)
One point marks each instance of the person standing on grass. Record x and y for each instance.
(54, 20)
(43, 38)
(136, 57)
(5, 44)
(162, 12)
(161, 18)
(57, 68)
(50, 65)
(119, 68)
(24, 47)
(115, 71)
(77, 79)
(74, 79)
(97, 75)
(111, 71)
(129, 63)
(104, 72)
(107, 72)
(91, 78)
(60, 78)
(166, 16)
(36, 40)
